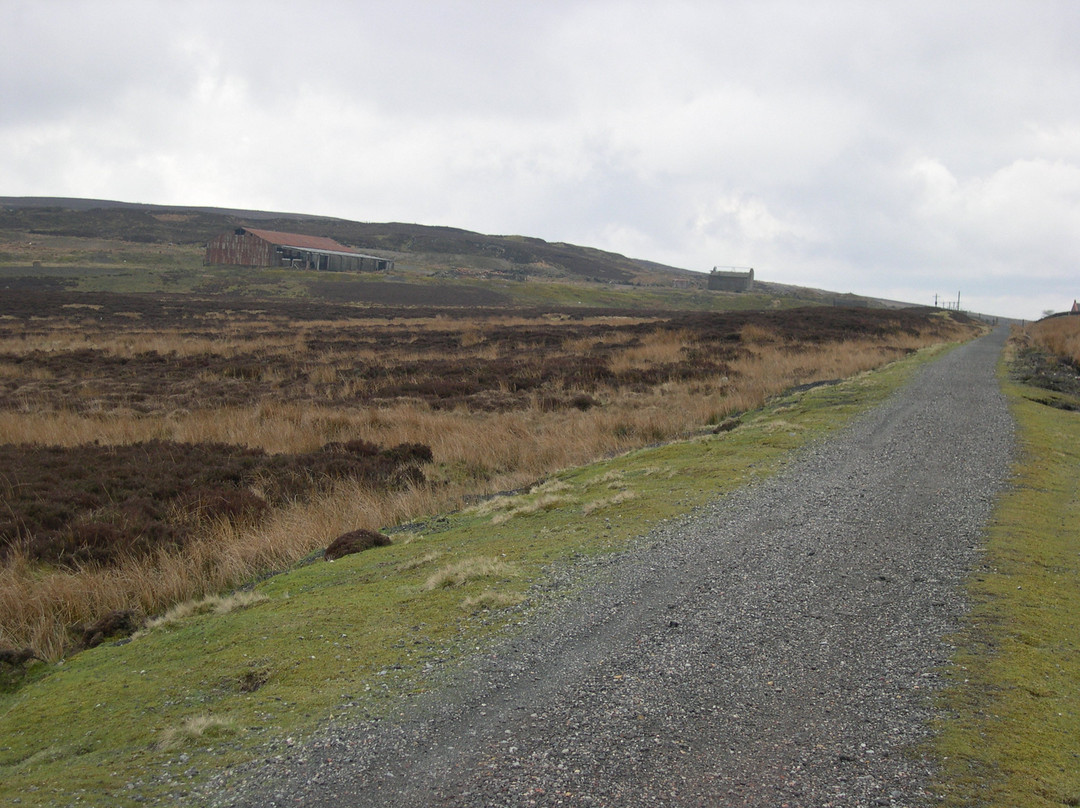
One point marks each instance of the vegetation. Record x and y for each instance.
(94, 247)
(160, 449)
(1059, 336)
(94, 505)
(181, 444)
(222, 681)
(97, 234)
(1012, 717)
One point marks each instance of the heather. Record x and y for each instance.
(163, 448)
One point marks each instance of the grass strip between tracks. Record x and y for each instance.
(1010, 732)
(238, 678)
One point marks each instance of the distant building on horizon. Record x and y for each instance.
(249, 247)
(1075, 308)
(731, 279)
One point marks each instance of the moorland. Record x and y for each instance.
(163, 445)
(160, 449)
(173, 432)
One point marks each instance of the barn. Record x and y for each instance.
(731, 280)
(248, 247)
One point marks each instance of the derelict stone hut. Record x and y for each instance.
(248, 247)
(731, 280)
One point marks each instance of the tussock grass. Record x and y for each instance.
(214, 604)
(544, 502)
(468, 570)
(494, 504)
(415, 562)
(197, 728)
(39, 605)
(554, 486)
(657, 348)
(607, 502)
(613, 477)
(752, 334)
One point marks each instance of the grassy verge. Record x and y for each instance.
(1011, 736)
(231, 679)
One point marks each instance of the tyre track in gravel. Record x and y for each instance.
(779, 646)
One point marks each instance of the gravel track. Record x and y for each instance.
(778, 647)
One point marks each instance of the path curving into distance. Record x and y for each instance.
(778, 647)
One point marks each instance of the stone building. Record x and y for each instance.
(731, 280)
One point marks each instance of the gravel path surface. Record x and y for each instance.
(779, 647)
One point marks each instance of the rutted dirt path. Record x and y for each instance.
(778, 647)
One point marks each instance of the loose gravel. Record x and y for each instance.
(778, 647)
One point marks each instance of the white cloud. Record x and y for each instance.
(869, 147)
(1022, 218)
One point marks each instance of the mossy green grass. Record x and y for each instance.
(1010, 735)
(147, 719)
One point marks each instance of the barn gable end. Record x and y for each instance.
(249, 247)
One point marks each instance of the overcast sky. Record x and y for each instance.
(901, 149)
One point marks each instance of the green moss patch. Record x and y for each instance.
(1011, 732)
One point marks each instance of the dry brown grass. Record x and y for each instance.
(196, 729)
(1059, 335)
(476, 452)
(657, 348)
(607, 502)
(470, 569)
(39, 605)
(212, 604)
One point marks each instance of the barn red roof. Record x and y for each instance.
(299, 241)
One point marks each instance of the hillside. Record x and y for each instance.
(66, 238)
(155, 224)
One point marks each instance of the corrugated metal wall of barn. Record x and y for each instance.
(242, 249)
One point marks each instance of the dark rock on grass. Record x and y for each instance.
(121, 623)
(355, 541)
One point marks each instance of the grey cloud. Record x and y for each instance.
(884, 146)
